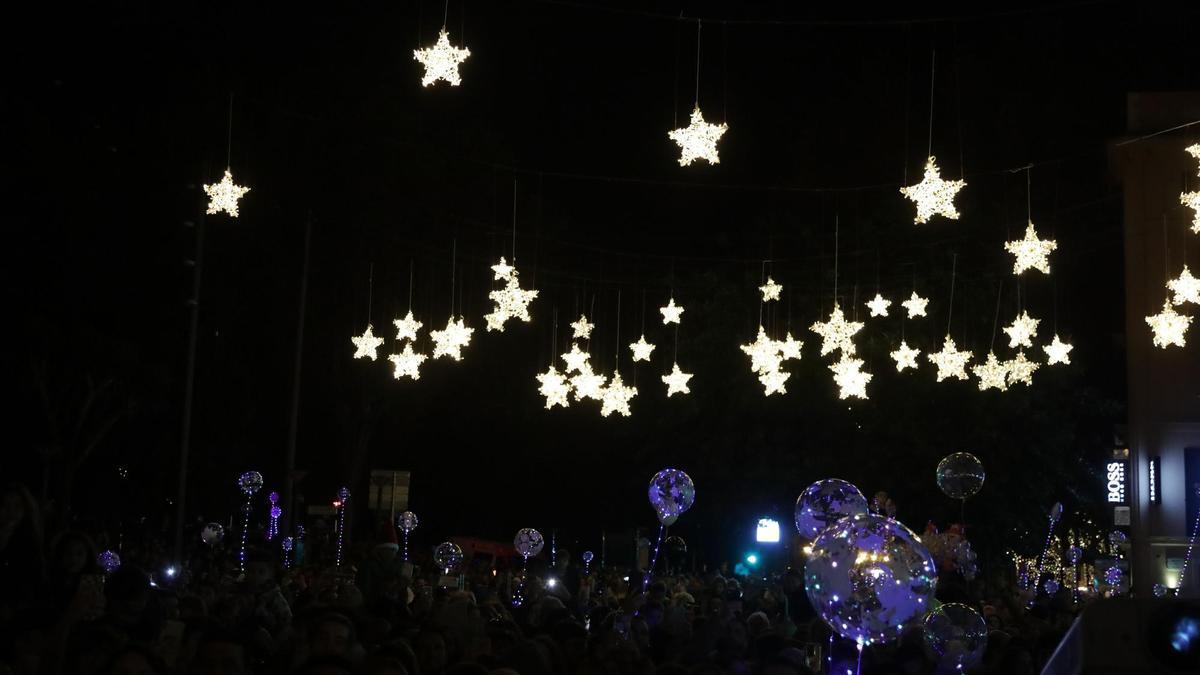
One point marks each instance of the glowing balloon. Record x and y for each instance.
(869, 577)
(528, 542)
(824, 503)
(1056, 512)
(109, 561)
(1074, 554)
(288, 543)
(250, 482)
(447, 555)
(276, 512)
(407, 521)
(588, 556)
(1050, 586)
(1112, 576)
(671, 493)
(960, 475)
(956, 635)
(1159, 590)
(676, 545)
(273, 497)
(212, 534)
(1117, 538)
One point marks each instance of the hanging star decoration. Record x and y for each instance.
(1185, 287)
(616, 397)
(582, 330)
(450, 340)
(224, 196)
(1192, 201)
(1022, 330)
(1194, 151)
(554, 387)
(406, 328)
(588, 384)
(641, 349)
(933, 196)
(773, 382)
(850, 379)
(836, 333)
(502, 270)
(576, 359)
(366, 344)
(677, 381)
(992, 374)
(905, 356)
(879, 305)
(915, 305)
(950, 362)
(1031, 252)
(1169, 326)
(1021, 369)
(671, 313)
(770, 290)
(698, 140)
(511, 302)
(407, 363)
(441, 61)
(790, 348)
(1058, 351)
(764, 353)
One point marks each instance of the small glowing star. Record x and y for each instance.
(1058, 352)
(441, 61)
(1031, 252)
(1021, 331)
(1168, 326)
(915, 305)
(450, 340)
(850, 379)
(224, 196)
(1021, 369)
(616, 397)
(641, 349)
(554, 387)
(583, 329)
(406, 328)
(698, 140)
(933, 196)
(671, 312)
(366, 344)
(770, 290)
(905, 357)
(407, 363)
(993, 374)
(1186, 288)
(950, 362)
(677, 381)
(836, 333)
(879, 305)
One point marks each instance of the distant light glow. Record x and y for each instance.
(441, 61)
(698, 140)
(768, 531)
(933, 195)
(752, 559)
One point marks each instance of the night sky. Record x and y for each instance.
(121, 111)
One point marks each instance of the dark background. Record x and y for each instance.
(119, 111)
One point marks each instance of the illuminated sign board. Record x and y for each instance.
(768, 531)
(1115, 475)
(1155, 480)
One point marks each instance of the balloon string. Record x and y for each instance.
(653, 559)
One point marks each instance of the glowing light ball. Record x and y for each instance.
(250, 482)
(960, 475)
(956, 635)
(212, 534)
(273, 497)
(588, 556)
(1117, 538)
(1051, 587)
(109, 561)
(869, 578)
(671, 493)
(407, 521)
(1074, 555)
(288, 544)
(343, 494)
(447, 555)
(824, 503)
(1159, 590)
(1112, 576)
(276, 512)
(528, 542)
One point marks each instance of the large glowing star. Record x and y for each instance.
(582, 330)
(677, 381)
(441, 61)
(1021, 369)
(915, 305)
(773, 382)
(763, 352)
(1185, 287)
(576, 359)
(848, 375)
(671, 313)
(1031, 252)
(1169, 326)
(905, 356)
(641, 349)
(992, 374)
(450, 340)
(1022, 330)
(770, 290)
(879, 305)
(366, 344)
(588, 384)
(616, 397)
(698, 140)
(224, 196)
(950, 362)
(836, 333)
(554, 387)
(511, 302)
(407, 363)
(406, 328)
(933, 196)
(1058, 352)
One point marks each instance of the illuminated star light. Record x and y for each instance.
(576, 359)
(366, 344)
(671, 313)
(836, 333)
(1194, 151)
(1022, 330)
(1058, 351)
(677, 381)
(770, 290)
(1021, 369)
(1192, 201)
(879, 305)
(1169, 326)
(851, 381)
(1031, 252)
(406, 328)
(933, 196)
(789, 348)
(616, 397)
(224, 196)
(773, 382)
(582, 329)
(1186, 288)
(915, 305)
(950, 362)
(993, 374)
(450, 340)
(441, 61)
(763, 352)
(641, 349)
(588, 384)
(511, 302)
(407, 363)
(698, 140)
(554, 387)
(502, 270)
(905, 357)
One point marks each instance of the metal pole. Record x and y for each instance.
(189, 388)
(289, 483)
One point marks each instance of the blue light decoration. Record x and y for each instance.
(447, 555)
(407, 522)
(1055, 516)
(287, 544)
(752, 559)
(273, 523)
(109, 561)
(824, 503)
(671, 493)
(1112, 576)
(587, 562)
(342, 500)
(249, 483)
(1155, 480)
(528, 542)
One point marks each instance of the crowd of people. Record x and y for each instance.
(218, 613)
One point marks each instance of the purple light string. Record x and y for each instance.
(1037, 582)
(405, 545)
(829, 656)
(245, 527)
(275, 511)
(858, 669)
(341, 528)
(653, 560)
(1188, 558)
(519, 596)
